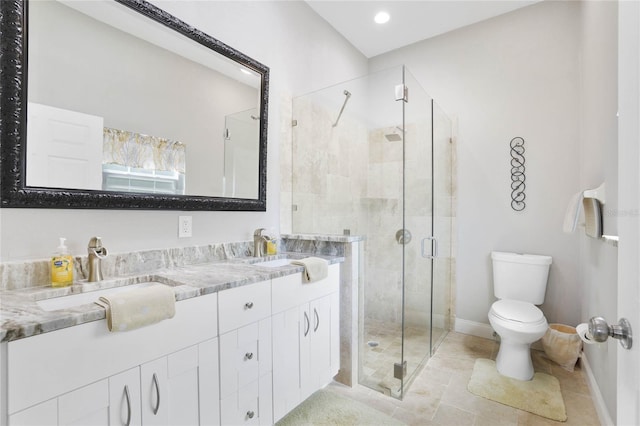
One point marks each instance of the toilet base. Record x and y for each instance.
(514, 360)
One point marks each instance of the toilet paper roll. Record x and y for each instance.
(583, 332)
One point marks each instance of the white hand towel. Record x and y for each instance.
(315, 268)
(136, 308)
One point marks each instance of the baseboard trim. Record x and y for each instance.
(596, 395)
(473, 328)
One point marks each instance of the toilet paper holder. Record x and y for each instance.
(599, 331)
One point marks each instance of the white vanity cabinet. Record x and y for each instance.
(85, 375)
(245, 355)
(242, 356)
(306, 341)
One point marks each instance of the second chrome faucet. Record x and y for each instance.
(96, 253)
(259, 243)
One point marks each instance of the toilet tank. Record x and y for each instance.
(520, 276)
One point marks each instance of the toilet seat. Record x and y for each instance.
(517, 311)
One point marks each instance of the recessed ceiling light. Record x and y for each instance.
(382, 17)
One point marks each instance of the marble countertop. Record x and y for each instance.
(21, 316)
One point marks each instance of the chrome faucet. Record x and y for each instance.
(96, 253)
(259, 241)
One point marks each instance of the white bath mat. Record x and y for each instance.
(540, 396)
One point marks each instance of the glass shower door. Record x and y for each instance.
(443, 214)
(418, 219)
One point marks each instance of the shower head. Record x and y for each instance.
(347, 94)
(393, 137)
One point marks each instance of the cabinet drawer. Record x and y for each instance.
(251, 405)
(241, 408)
(245, 355)
(291, 291)
(240, 306)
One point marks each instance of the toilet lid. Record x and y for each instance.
(515, 310)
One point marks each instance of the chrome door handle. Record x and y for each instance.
(128, 398)
(600, 331)
(434, 247)
(248, 355)
(248, 305)
(317, 317)
(307, 324)
(157, 386)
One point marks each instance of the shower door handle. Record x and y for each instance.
(434, 247)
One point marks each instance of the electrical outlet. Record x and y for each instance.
(184, 226)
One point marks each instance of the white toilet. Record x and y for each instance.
(519, 282)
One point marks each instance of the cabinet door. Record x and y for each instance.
(124, 398)
(320, 311)
(209, 383)
(45, 413)
(305, 332)
(182, 374)
(286, 362)
(87, 406)
(335, 334)
(153, 381)
(315, 346)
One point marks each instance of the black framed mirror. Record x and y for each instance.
(213, 157)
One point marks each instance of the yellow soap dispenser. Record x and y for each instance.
(61, 266)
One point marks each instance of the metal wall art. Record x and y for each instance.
(517, 174)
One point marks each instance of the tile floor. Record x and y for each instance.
(439, 394)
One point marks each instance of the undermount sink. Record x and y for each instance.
(274, 263)
(77, 299)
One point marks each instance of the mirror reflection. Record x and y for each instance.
(118, 102)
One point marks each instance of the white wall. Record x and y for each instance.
(514, 75)
(303, 52)
(599, 163)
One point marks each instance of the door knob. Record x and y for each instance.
(600, 331)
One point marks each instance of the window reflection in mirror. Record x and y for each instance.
(91, 78)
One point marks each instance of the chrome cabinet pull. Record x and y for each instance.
(155, 383)
(128, 398)
(248, 355)
(315, 314)
(250, 414)
(307, 324)
(248, 305)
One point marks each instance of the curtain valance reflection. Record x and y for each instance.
(143, 151)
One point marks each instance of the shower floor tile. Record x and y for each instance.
(382, 348)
